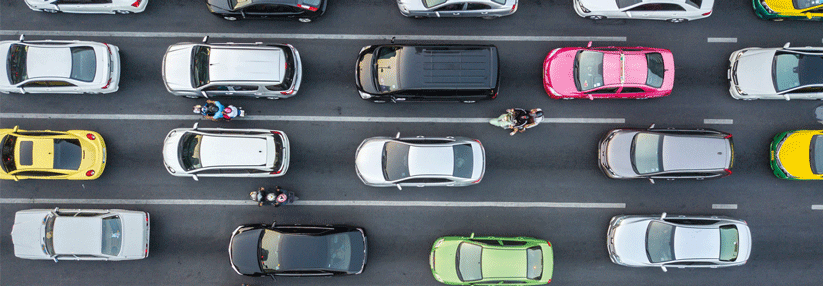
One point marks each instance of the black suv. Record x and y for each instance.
(303, 10)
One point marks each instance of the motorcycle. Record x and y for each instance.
(224, 113)
(518, 119)
(278, 197)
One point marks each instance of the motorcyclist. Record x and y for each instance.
(213, 109)
(530, 119)
(277, 198)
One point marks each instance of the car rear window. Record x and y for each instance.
(395, 161)
(696, 3)
(83, 63)
(534, 261)
(190, 151)
(200, 66)
(816, 154)
(16, 63)
(660, 242)
(588, 70)
(8, 153)
(431, 3)
(646, 153)
(654, 78)
(288, 74)
(729, 243)
(67, 154)
(111, 235)
(468, 262)
(803, 4)
(463, 157)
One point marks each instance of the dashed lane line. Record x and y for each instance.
(721, 40)
(817, 207)
(724, 206)
(343, 203)
(718, 121)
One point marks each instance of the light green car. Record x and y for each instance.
(460, 260)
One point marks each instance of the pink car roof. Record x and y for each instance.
(635, 65)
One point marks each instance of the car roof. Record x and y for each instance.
(228, 63)
(78, 235)
(48, 61)
(503, 263)
(681, 152)
(447, 67)
(431, 160)
(41, 155)
(696, 243)
(216, 150)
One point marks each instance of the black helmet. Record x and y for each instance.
(537, 112)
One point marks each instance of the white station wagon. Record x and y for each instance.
(674, 11)
(88, 6)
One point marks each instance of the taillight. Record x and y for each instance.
(514, 7)
(275, 172)
(707, 13)
(728, 172)
(495, 95)
(107, 84)
(307, 7)
(90, 173)
(90, 136)
(107, 48)
(549, 243)
(727, 136)
(275, 132)
(136, 4)
(287, 92)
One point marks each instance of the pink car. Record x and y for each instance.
(608, 72)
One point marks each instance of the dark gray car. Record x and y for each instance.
(487, 9)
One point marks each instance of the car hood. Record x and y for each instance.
(244, 251)
(368, 161)
(599, 5)
(177, 67)
(794, 154)
(170, 156)
(219, 4)
(413, 5)
(630, 241)
(561, 72)
(27, 234)
(618, 154)
(695, 153)
(744, 242)
(754, 72)
(445, 265)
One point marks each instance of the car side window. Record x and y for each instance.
(38, 83)
(603, 90)
(244, 87)
(37, 174)
(691, 221)
(632, 90)
(513, 242)
(425, 180)
(691, 263)
(477, 6)
(492, 242)
(217, 88)
(83, 2)
(451, 7)
(810, 89)
(59, 83)
(271, 9)
(658, 7)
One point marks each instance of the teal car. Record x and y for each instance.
(779, 10)
(460, 260)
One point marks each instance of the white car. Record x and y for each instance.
(81, 234)
(218, 152)
(88, 6)
(674, 11)
(48, 66)
(776, 73)
(678, 241)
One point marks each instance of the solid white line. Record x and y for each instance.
(320, 203)
(292, 118)
(722, 40)
(312, 36)
(817, 207)
(718, 121)
(724, 206)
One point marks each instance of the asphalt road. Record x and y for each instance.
(553, 164)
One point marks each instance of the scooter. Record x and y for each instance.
(228, 112)
(514, 119)
(278, 197)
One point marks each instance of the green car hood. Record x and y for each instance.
(445, 263)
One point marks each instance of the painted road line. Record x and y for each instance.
(817, 207)
(293, 118)
(346, 203)
(722, 40)
(313, 36)
(718, 121)
(724, 206)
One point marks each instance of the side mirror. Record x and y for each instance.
(651, 126)
(651, 181)
(472, 235)
(399, 187)
(786, 46)
(15, 178)
(55, 259)
(204, 94)
(786, 96)
(590, 96)
(273, 223)
(663, 268)
(22, 38)
(808, 15)
(196, 124)
(194, 177)
(205, 39)
(55, 210)
(397, 136)
(663, 216)
(16, 127)
(589, 45)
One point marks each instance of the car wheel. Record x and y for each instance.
(678, 20)
(567, 98)
(419, 17)
(272, 98)
(192, 96)
(230, 18)
(49, 10)
(379, 101)
(122, 12)
(777, 19)
(304, 20)
(596, 17)
(489, 17)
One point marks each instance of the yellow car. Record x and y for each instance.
(797, 155)
(56, 155)
(779, 10)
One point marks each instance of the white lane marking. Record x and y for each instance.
(722, 40)
(724, 206)
(292, 118)
(817, 207)
(312, 36)
(718, 121)
(321, 203)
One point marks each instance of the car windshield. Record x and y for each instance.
(67, 154)
(588, 70)
(430, 3)
(816, 154)
(190, 151)
(534, 262)
(790, 70)
(7, 153)
(339, 251)
(111, 235)
(395, 161)
(468, 262)
(16, 63)
(729, 243)
(385, 69)
(646, 153)
(660, 242)
(269, 248)
(48, 239)
(654, 78)
(200, 66)
(83, 63)
(626, 3)
(501, 2)
(803, 4)
(695, 3)
(463, 157)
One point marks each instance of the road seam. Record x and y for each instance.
(718, 121)
(724, 206)
(721, 40)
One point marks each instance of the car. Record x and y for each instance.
(797, 155)
(88, 6)
(487, 9)
(222, 152)
(608, 72)
(303, 10)
(678, 241)
(776, 73)
(489, 260)
(271, 71)
(70, 67)
(438, 73)
(666, 153)
(297, 250)
(80, 234)
(779, 10)
(420, 161)
(51, 155)
(675, 11)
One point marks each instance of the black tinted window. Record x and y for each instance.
(452, 7)
(395, 161)
(632, 90)
(463, 160)
(656, 70)
(200, 66)
(67, 154)
(8, 153)
(658, 7)
(16, 63)
(83, 63)
(477, 6)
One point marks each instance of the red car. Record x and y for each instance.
(608, 72)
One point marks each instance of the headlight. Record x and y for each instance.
(439, 242)
(169, 168)
(763, 3)
(438, 277)
(554, 51)
(739, 91)
(583, 8)
(617, 221)
(554, 92)
(364, 95)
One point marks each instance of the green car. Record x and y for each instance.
(460, 260)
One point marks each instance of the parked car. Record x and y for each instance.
(297, 250)
(608, 72)
(776, 73)
(779, 10)
(271, 71)
(675, 11)
(797, 155)
(400, 73)
(59, 67)
(221, 152)
(460, 260)
(487, 9)
(666, 153)
(88, 6)
(53, 155)
(303, 10)
(420, 161)
(80, 234)
(678, 241)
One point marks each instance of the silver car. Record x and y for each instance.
(218, 152)
(487, 9)
(59, 67)
(88, 6)
(678, 241)
(81, 234)
(420, 161)
(776, 73)
(675, 11)
(666, 153)
(271, 71)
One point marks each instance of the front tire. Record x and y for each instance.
(49, 10)
(596, 17)
(122, 12)
(230, 18)
(304, 20)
